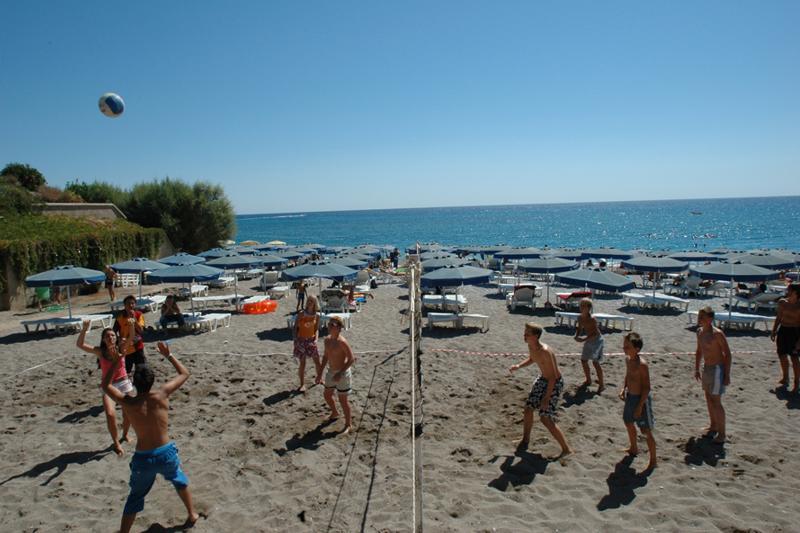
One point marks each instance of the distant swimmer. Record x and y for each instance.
(786, 335)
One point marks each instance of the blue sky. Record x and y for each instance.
(321, 105)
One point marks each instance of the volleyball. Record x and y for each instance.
(111, 105)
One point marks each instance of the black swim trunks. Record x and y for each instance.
(786, 340)
(134, 358)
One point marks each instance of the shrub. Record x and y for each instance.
(16, 199)
(54, 194)
(99, 192)
(26, 175)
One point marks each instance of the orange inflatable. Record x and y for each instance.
(259, 308)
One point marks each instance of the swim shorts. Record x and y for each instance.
(714, 379)
(124, 386)
(537, 393)
(593, 350)
(145, 465)
(134, 358)
(646, 421)
(343, 386)
(305, 348)
(786, 341)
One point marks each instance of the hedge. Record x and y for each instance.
(34, 243)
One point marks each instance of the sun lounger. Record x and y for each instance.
(187, 317)
(148, 303)
(438, 318)
(225, 299)
(445, 301)
(127, 280)
(222, 281)
(570, 300)
(482, 319)
(324, 317)
(723, 319)
(605, 320)
(458, 319)
(277, 292)
(657, 300)
(524, 296)
(56, 324)
(764, 300)
(194, 290)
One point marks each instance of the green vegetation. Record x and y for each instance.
(33, 243)
(99, 192)
(27, 176)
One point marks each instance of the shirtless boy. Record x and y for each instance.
(340, 359)
(546, 390)
(592, 344)
(786, 335)
(636, 394)
(148, 412)
(712, 347)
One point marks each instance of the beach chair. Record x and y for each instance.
(269, 280)
(524, 296)
(570, 300)
(735, 320)
(55, 324)
(603, 319)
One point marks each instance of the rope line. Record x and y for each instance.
(518, 354)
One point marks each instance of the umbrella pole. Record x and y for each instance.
(141, 281)
(191, 298)
(235, 291)
(69, 303)
(730, 301)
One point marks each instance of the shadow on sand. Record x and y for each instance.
(311, 440)
(622, 483)
(278, 397)
(792, 399)
(276, 334)
(60, 464)
(77, 416)
(521, 472)
(703, 450)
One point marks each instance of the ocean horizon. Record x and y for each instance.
(702, 224)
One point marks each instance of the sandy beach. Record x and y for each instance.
(262, 458)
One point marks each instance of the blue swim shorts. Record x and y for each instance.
(145, 465)
(646, 421)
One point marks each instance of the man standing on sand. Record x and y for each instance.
(712, 347)
(786, 335)
(546, 390)
(148, 413)
(339, 375)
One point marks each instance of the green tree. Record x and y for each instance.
(99, 192)
(26, 175)
(194, 217)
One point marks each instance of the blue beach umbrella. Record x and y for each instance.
(735, 272)
(320, 270)
(602, 280)
(234, 261)
(645, 263)
(289, 254)
(696, 257)
(564, 254)
(138, 265)
(519, 253)
(442, 262)
(456, 276)
(765, 260)
(214, 253)
(606, 253)
(270, 259)
(64, 275)
(547, 265)
(186, 274)
(181, 258)
(350, 262)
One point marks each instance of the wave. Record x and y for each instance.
(269, 217)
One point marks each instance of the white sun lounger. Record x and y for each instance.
(605, 320)
(323, 320)
(445, 301)
(458, 319)
(723, 319)
(194, 290)
(56, 324)
(226, 299)
(657, 300)
(278, 291)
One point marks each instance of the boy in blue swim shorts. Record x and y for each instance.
(638, 410)
(155, 454)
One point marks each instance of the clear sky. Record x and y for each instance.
(328, 105)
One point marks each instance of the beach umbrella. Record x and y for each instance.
(270, 260)
(547, 265)
(735, 272)
(435, 255)
(351, 262)
(276, 243)
(695, 257)
(455, 276)
(214, 253)
(602, 280)
(605, 253)
(336, 249)
(519, 253)
(186, 274)
(360, 257)
(305, 250)
(138, 265)
(64, 275)
(181, 258)
(241, 250)
(320, 270)
(658, 265)
(565, 254)
(765, 260)
(433, 264)
(234, 261)
(289, 254)
(249, 243)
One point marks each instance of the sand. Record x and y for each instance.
(261, 458)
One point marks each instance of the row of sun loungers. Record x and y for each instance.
(657, 300)
(66, 324)
(605, 320)
(734, 319)
(458, 319)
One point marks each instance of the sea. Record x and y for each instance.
(703, 225)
